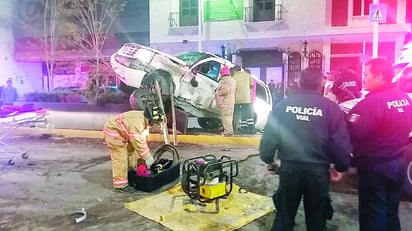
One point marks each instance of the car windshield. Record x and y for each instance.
(191, 58)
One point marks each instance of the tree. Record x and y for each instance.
(47, 32)
(95, 18)
(52, 14)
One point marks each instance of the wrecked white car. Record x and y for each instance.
(195, 76)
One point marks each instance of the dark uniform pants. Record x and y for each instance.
(379, 194)
(245, 113)
(299, 179)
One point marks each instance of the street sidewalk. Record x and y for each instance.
(236, 140)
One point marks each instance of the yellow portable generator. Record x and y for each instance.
(207, 178)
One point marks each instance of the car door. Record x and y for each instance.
(207, 73)
(202, 96)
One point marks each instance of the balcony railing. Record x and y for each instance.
(255, 14)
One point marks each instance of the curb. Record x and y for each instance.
(241, 140)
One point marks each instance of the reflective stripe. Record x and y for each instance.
(120, 122)
(137, 136)
(120, 182)
(145, 152)
(113, 134)
(141, 139)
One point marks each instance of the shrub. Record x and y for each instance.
(43, 97)
(57, 96)
(74, 97)
(112, 97)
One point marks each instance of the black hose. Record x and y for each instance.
(165, 148)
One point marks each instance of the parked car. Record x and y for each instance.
(195, 76)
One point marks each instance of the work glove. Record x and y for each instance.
(149, 161)
(335, 176)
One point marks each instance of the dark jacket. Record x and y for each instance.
(347, 86)
(307, 127)
(380, 124)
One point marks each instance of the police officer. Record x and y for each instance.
(347, 86)
(379, 126)
(125, 136)
(309, 133)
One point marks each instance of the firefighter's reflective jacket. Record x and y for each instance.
(244, 84)
(130, 127)
(225, 92)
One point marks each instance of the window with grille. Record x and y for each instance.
(189, 12)
(294, 67)
(315, 59)
(264, 10)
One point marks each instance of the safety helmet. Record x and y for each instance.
(154, 113)
(224, 71)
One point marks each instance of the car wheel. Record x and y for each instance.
(407, 187)
(208, 123)
(166, 85)
(137, 100)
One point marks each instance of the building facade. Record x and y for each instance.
(26, 23)
(276, 39)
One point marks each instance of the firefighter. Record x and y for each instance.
(125, 136)
(309, 133)
(243, 105)
(379, 126)
(225, 97)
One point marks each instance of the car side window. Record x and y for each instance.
(210, 69)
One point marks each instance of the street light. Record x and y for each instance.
(305, 50)
(223, 51)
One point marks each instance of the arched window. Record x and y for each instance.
(315, 59)
(294, 67)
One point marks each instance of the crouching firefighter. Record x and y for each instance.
(125, 136)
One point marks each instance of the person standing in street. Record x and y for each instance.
(243, 106)
(225, 97)
(9, 94)
(309, 133)
(379, 127)
(347, 86)
(125, 136)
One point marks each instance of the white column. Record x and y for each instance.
(199, 24)
(375, 39)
